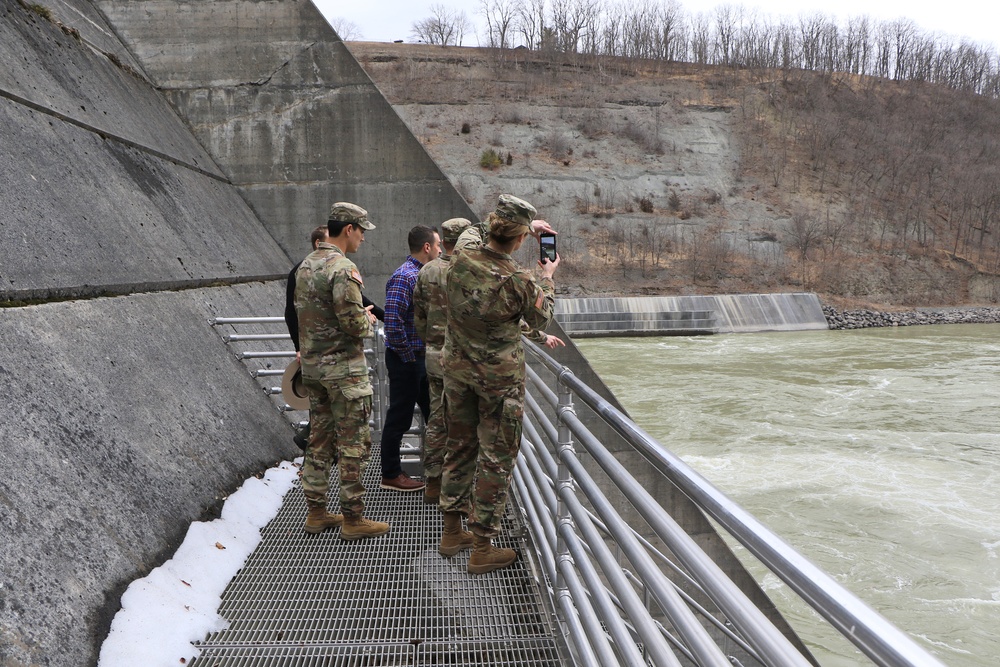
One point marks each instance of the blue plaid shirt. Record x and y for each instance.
(400, 334)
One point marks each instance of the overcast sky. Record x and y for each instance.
(979, 20)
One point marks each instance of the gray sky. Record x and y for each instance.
(978, 20)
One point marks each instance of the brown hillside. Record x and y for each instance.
(684, 179)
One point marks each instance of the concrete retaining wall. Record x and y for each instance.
(732, 313)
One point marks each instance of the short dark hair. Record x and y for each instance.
(420, 235)
(318, 235)
(336, 226)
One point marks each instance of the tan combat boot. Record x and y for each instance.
(454, 539)
(360, 527)
(486, 558)
(432, 492)
(319, 520)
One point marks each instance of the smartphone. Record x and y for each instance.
(548, 245)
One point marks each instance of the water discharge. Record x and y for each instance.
(875, 453)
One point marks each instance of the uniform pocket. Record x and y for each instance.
(513, 409)
(354, 389)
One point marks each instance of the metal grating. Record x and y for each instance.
(316, 600)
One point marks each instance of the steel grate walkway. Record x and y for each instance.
(311, 600)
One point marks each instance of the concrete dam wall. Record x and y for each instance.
(688, 315)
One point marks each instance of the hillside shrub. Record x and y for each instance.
(490, 159)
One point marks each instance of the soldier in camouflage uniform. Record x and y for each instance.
(489, 295)
(333, 324)
(430, 315)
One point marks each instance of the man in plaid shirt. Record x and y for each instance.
(404, 357)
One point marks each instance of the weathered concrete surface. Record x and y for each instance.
(291, 117)
(127, 419)
(104, 190)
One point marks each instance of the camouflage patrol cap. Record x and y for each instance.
(513, 209)
(453, 228)
(512, 218)
(344, 211)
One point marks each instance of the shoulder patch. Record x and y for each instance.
(539, 300)
(356, 276)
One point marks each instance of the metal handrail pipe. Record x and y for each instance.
(542, 486)
(766, 639)
(265, 355)
(652, 639)
(659, 556)
(648, 547)
(235, 338)
(544, 456)
(578, 613)
(592, 641)
(247, 320)
(691, 631)
(550, 430)
(267, 372)
(876, 637)
(550, 396)
(531, 434)
(545, 538)
(549, 461)
(606, 608)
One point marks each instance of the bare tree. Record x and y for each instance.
(531, 22)
(444, 26)
(348, 31)
(500, 18)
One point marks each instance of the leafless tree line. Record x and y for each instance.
(733, 36)
(444, 27)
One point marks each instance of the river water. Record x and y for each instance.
(875, 453)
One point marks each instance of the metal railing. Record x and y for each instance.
(374, 352)
(668, 603)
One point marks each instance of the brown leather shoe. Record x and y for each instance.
(403, 483)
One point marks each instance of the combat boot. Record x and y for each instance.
(319, 520)
(360, 527)
(454, 539)
(486, 558)
(432, 492)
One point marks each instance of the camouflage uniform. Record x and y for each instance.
(430, 318)
(333, 325)
(474, 237)
(489, 295)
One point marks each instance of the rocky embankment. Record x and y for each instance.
(863, 319)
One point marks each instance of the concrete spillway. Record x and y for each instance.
(689, 315)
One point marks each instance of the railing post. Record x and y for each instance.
(565, 481)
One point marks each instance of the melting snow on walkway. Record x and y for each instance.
(177, 603)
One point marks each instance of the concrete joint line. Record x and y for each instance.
(104, 134)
